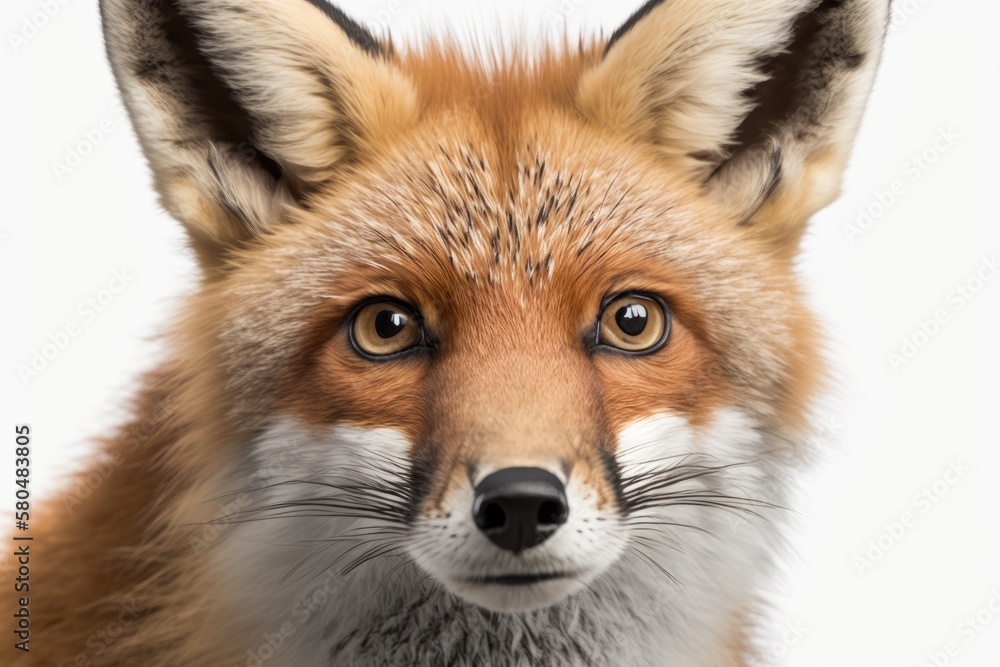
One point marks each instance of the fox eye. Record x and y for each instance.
(385, 328)
(634, 323)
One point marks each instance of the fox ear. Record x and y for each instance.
(243, 107)
(759, 101)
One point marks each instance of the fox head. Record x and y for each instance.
(527, 324)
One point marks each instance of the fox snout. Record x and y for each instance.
(519, 508)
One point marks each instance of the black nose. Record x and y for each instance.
(518, 508)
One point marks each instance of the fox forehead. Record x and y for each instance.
(453, 213)
(498, 173)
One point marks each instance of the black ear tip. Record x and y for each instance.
(630, 23)
(357, 33)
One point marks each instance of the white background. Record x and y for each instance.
(891, 432)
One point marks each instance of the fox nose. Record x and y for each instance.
(518, 508)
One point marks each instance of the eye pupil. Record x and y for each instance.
(389, 323)
(632, 319)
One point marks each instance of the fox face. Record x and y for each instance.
(517, 337)
(517, 376)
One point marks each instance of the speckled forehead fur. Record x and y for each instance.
(501, 188)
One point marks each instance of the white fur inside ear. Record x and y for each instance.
(744, 182)
(684, 77)
(311, 90)
(226, 94)
(678, 77)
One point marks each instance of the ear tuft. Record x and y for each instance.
(243, 107)
(676, 74)
(746, 181)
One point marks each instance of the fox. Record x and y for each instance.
(496, 357)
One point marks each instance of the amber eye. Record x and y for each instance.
(634, 323)
(385, 328)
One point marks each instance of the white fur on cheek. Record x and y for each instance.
(649, 443)
(290, 566)
(715, 554)
(287, 449)
(664, 440)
